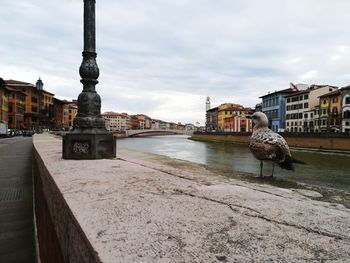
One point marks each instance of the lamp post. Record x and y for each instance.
(89, 138)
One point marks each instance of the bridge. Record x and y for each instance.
(155, 132)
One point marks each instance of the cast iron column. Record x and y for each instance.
(89, 138)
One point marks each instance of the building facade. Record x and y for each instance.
(274, 106)
(239, 122)
(116, 121)
(345, 109)
(331, 111)
(227, 110)
(211, 123)
(3, 108)
(61, 116)
(140, 122)
(17, 101)
(301, 107)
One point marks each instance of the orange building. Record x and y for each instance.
(31, 113)
(239, 122)
(16, 107)
(140, 122)
(61, 115)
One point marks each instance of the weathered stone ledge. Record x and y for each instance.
(141, 209)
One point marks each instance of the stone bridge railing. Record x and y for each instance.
(130, 133)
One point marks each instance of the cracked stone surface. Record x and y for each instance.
(141, 209)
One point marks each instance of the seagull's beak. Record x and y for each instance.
(248, 116)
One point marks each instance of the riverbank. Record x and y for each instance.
(144, 207)
(338, 143)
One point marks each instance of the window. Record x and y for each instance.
(306, 105)
(335, 99)
(34, 109)
(300, 115)
(347, 100)
(347, 114)
(288, 99)
(288, 107)
(10, 120)
(10, 105)
(306, 96)
(34, 100)
(324, 101)
(305, 116)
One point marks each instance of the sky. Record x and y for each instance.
(164, 57)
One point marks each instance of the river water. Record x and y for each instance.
(323, 169)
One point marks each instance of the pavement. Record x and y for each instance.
(16, 209)
(148, 208)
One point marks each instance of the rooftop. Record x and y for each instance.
(284, 91)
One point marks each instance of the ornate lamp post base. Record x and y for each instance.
(85, 146)
(89, 138)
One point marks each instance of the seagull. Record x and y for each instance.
(267, 145)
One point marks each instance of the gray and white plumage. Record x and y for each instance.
(267, 145)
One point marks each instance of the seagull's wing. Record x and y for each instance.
(269, 144)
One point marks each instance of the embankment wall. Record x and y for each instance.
(321, 141)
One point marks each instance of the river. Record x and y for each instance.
(323, 169)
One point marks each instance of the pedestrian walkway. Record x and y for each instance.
(16, 208)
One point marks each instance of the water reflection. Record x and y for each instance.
(322, 168)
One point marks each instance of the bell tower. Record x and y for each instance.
(207, 104)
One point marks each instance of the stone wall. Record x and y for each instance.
(60, 237)
(339, 142)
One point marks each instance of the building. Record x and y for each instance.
(227, 110)
(45, 106)
(331, 111)
(3, 108)
(31, 114)
(345, 110)
(116, 121)
(211, 123)
(156, 124)
(72, 112)
(274, 106)
(239, 122)
(38, 112)
(301, 107)
(140, 122)
(17, 100)
(190, 127)
(61, 116)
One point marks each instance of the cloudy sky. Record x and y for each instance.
(163, 57)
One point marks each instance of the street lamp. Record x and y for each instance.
(89, 138)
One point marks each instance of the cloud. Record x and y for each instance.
(163, 57)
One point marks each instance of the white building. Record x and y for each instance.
(300, 108)
(116, 121)
(345, 93)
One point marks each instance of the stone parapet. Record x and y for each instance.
(138, 208)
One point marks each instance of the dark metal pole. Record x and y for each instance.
(89, 138)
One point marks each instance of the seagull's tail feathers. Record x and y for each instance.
(298, 161)
(287, 163)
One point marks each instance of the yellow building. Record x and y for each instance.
(227, 110)
(72, 112)
(331, 108)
